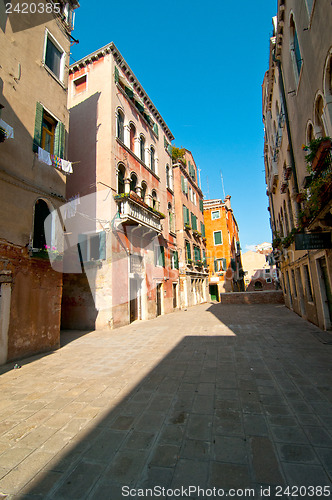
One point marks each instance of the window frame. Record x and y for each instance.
(215, 212)
(88, 237)
(53, 40)
(214, 240)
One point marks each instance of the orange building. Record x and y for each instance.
(223, 248)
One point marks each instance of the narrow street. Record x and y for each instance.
(231, 397)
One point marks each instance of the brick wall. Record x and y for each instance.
(267, 297)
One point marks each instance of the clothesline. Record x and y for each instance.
(55, 161)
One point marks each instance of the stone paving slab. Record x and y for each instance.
(219, 396)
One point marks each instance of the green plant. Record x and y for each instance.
(276, 243)
(187, 226)
(312, 149)
(178, 154)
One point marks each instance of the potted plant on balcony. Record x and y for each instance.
(187, 226)
(319, 155)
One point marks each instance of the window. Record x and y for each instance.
(201, 205)
(133, 182)
(220, 265)
(159, 253)
(174, 260)
(203, 229)
(188, 251)
(308, 283)
(193, 222)
(309, 6)
(217, 237)
(121, 178)
(49, 133)
(194, 198)
(80, 84)
(268, 280)
(142, 148)
(184, 184)
(295, 50)
(132, 133)
(39, 237)
(294, 283)
(143, 190)
(171, 220)
(167, 177)
(197, 253)
(215, 214)
(154, 199)
(92, 246)
(120, 126)
(54, 56)
(186, 215)
(152, 159)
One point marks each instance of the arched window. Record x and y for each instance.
(319, 110)
(310, 133)
(143, 190)
(133, 182)
(170, 218)
(295, 50)
(154, 199)
(142, 148)
(40, 239)
(120, 125)
(167, 177)
(121, 178)
(132, 132)
(152, 159)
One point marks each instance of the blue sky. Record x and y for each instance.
(202, 63)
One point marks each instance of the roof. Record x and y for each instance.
(112, 49)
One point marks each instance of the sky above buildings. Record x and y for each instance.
(202, 63)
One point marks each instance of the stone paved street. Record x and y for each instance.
(225, 396)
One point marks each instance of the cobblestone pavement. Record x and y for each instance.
(219, 396)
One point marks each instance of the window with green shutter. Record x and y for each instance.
(92, 247)
(159, 256)
(116, 75)
(59, 140)
(193, 222)
(182, 184)
(203, 229)
(38, 127)
(217, 237)
(188, 251)
(201, 206)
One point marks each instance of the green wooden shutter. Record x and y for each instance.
(188, 251)
(59, 140)
(224, 265)
(184, 214)
(38, 127)
(116, 75)
(215, 265)
(187, 215)
(203, 229)
(182, 184)
(217, 237)
(201, 206)
(155, 129)
(176, 260)
(102, 245)
(170, 149)
(161, 256)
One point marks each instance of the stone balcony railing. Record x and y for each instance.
(133, 211)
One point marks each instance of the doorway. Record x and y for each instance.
(175, 291)
(325, 291)
(133, 300)
(159, 298)
(213, 289)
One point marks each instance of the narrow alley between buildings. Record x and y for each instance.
(232, 397)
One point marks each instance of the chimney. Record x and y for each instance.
(227, 202)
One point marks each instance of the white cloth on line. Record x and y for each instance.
(44, 156)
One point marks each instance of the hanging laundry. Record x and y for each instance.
(44, 156)
(66, 166)
(56, 162)
(8, 129)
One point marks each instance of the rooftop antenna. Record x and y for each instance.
(208, 190)
(222, 183)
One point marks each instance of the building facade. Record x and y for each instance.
(297, 114)
(260, 272)
(190, 230)
(34, 123)
(223, 248)
(124, 222)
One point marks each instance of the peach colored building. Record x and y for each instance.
(190, 231)
(129, 247)
(223, 248)
(34, 121)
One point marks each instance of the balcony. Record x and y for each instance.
(133, 211)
